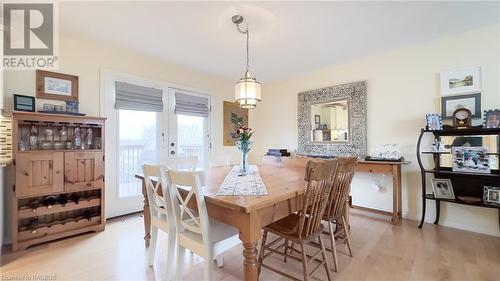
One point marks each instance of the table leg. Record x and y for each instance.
(250, 261)
(396, 193)
(147, 216)
(250, 233)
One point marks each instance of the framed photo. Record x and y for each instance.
(491, 195)
(459, 81)
(56, 86)
(434, 122)
(471, 102)
(470, 160)
(492, 118)
(233, 116)
(24, 103)
(443, 189)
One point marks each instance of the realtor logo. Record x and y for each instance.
(29, 36)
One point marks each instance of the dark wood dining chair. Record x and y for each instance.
(338, 202)
(304, 226)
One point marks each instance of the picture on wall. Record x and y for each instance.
(470, 160)
(442, 188)
(471, 102)
(56, 86)
(233, 117)
(492, 119)
(491, 195)
(459, 81)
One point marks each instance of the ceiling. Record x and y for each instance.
(286, 38)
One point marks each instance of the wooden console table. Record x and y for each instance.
(392, 169)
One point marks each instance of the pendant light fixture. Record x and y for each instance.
(247, 89)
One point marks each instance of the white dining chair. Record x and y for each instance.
(162, 217)
(206, 237)
(182, 163)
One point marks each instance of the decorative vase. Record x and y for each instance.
(244, 146)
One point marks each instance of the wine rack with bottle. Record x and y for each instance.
(58, 175)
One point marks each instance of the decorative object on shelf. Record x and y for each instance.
(56, 86)
(58, 108)
(24, 103)
(470, 160)
(48, 107)
(434, 121)
(234, 116)
(277, 152)
(438, 146)
(72, 106)
(5, 139)
(471, 102)
(351, 96)
(244, 145)
(492, 119)
(462, 118)
(442, 188)
(491, 195)
(464, 80)
(390, 152)
(317, 120)
(247, 89)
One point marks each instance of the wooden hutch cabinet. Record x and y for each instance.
(58, 177)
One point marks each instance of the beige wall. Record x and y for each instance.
(403, 86)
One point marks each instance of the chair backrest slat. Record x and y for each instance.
(158, 205)
(182, 163)
(185, 219)
(341, 186)
(319, 177)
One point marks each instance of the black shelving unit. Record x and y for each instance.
(464, 184)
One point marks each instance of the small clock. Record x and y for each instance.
(462, 118)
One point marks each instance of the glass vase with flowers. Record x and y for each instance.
(244, 144)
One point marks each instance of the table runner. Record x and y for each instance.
(237, 185)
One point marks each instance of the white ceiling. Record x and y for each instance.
(286, 38)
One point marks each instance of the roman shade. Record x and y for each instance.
(191, 105)
(135, 97)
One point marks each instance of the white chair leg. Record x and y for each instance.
(171, 255)
(220, 260)
(152, 248)
(179, 275)
(207, 270)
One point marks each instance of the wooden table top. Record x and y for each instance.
(282, 183)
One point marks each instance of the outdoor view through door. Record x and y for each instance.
(138, 132)
(191, 137)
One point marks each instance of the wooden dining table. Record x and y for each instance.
(285, 187)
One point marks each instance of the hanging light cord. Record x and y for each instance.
(245, 31)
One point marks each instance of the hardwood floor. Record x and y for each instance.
(382, 251)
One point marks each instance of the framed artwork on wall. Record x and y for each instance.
(459, 81)
(471, 102)
(56, 86)
(233, 117)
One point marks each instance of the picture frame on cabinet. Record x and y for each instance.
(470, 160)
(491, 195)
(24, 103)
(491, 119)
(434, 122)
(442, 189)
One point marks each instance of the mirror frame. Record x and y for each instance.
(355, 94)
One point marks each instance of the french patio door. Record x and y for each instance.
(136, 137)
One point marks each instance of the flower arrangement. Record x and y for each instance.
(243, 135)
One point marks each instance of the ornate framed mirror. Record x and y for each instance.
(332, 121)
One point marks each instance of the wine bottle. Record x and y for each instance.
(62, 199)
(49, 201)
(75, 198)
(34, 225)
(34, 204)
(88, 215)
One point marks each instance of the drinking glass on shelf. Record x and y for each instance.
(64, 133)
(88, 138)
(33, 138)
(78, 138)
(97, 143)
